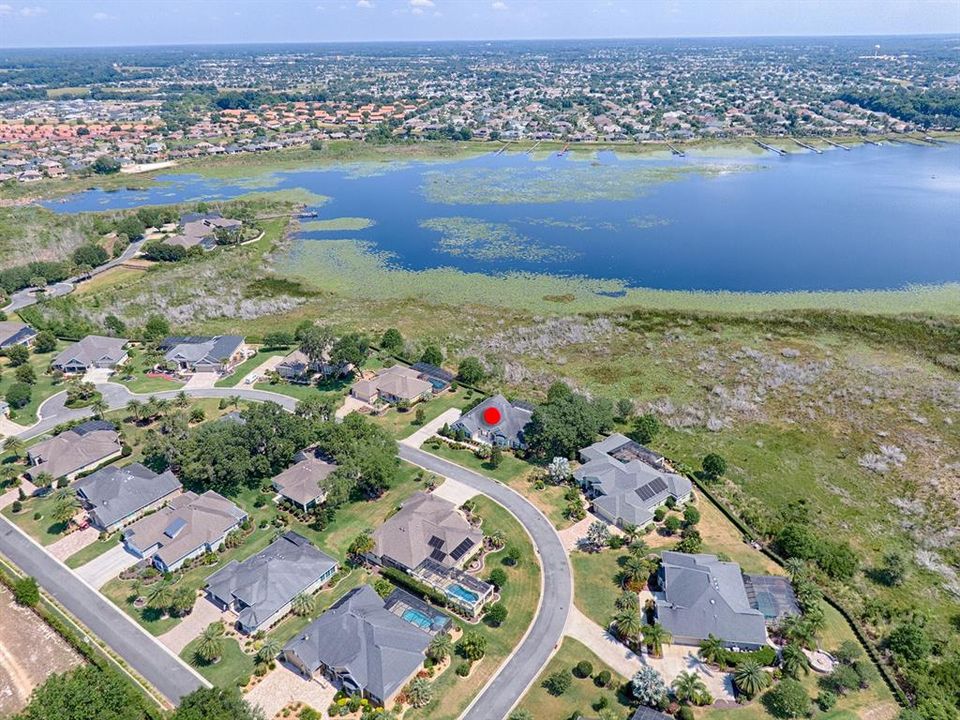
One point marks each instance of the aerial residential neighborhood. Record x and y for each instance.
(479, 360)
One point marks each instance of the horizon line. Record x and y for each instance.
(479, 40)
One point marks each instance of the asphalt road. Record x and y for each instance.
(144, 653)
(174, 679)
(509, 685)
(28, 296)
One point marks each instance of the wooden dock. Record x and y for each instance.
(802, 144)
(930, 139)
(771, 148)
(836, 144)
(502, 149)
(872, 142)
(534, 147)
(563, 152)
(676, 151)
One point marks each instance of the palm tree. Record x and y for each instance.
(419, 692)
(302, 605)
(135, 408)
(627, 626)
(15, 446)
(712, 649)
(440, 647)
(793, 661)
(635, 570)
(64, 505)
(498, 539)
(269, 650)
(627, 600)
(160, 595)
(182, 399)
(150, 408)
(655, 636)
(639, 548)
(750, 678)
(99, 407)
(796, 629)
(162, 405)
(795, 567)
(688, 687)
(210, 646)
(631, 532)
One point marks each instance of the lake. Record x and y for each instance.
(871, 218)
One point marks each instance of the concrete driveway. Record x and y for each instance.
(204, 612)
(261, 370)
(99, 571)
(455, 492)
(283, 686)
(430, 429)
(201, 380)
(97, 375)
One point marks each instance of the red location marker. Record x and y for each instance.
(491, 416)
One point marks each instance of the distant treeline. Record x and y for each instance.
(923, 107)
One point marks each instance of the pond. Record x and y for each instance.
(875, 217)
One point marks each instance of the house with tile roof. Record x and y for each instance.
(302, 482)
(74, 451)
(393, 385)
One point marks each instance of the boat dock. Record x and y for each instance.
(534, 147)
(676, 151)
(563, 152)
(802, 144)
(502, 149)
(771, 148)
(872, 142)
(835, 144)
(930, 139)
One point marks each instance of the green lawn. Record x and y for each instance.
(43, 530)
(251, 363)
(335, 389)
(595, 583)
(43, 388)
(402, 424)
(293, 624)
(521, 596)
(233, 667)
(132, 374)
(583, 692)
(92, 551)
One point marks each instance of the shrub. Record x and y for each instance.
(17, 506)
(583, 669)
(18, 395)
(26, 592)
(684, 713)
(602, 678)
(557, 683)
(498, 578)
(713, 466)
(826, 700)
(463, 669)
(788, 699)
(496, 614)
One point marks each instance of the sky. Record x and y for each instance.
(61, 23)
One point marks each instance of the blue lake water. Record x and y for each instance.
(871, 218)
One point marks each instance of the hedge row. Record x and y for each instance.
(398, 577)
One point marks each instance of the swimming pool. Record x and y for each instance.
(461, 593)
(417, 618)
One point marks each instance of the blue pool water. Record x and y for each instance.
(458, 591)
(417, 618)
(871, 218)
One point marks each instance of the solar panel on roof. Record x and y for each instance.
(460, 550)
(438, 555)
(651, 489)
(435, 542)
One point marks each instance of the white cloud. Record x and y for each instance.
(498, 5)
(366, 4)
(5, 9)
(421, 3)
(32, 11)
(102, 16)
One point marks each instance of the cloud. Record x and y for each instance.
(5, 9)
(32, 10)
(498, 5)
(421, 3)
(100, 16)
(366, 4)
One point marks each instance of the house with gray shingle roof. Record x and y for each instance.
(506, 432)
(361, 646)
(701, 595)
(94, 351)
(302, 482)
(16, 333)
(204, 354)
(188, 526)
(393, 385)
(261, 589)
(626, 482)
(115, 496)
(74, 451)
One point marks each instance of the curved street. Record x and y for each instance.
(501, 693)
